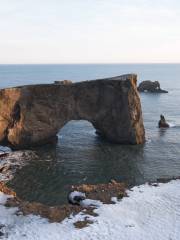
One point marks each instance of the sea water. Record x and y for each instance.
(82, 157)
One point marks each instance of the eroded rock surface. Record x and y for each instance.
(33, 115)
(150, 86)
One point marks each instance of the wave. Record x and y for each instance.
(172, 124)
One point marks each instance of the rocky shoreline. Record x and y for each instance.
(142, 209)
(12, 161)
(104, 193)
(101, 192)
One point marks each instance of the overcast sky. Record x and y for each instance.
(89, 31)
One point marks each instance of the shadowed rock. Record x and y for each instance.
(33, 115)
(149, 86)
(162, 122)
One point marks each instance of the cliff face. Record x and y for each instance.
(31, 115)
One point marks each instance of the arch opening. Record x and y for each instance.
(77, 133)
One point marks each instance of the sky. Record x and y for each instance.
(89, 31)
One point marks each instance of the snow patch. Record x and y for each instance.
(76, 197)
(149, 213)
(3, 198)
(90, 202)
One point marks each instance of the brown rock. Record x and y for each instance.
(6, 190)
(162, 122)
(103, 192)
(54, 213)
(83, 224)
(32, 115)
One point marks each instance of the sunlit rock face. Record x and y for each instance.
(33, 115)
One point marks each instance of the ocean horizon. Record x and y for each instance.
(23, 74)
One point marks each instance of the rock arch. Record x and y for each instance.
(31, 115)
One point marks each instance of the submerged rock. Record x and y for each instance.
(33, 115)
(150, 86)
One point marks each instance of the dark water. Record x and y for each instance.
(80, 156)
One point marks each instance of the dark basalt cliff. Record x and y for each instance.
(33, 115)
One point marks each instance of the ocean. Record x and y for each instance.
(82, 157)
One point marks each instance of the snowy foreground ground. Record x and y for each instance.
(148, 213)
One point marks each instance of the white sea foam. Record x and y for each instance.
(149, 213)
(172, 124)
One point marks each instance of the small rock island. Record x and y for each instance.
(150, 86)
(162, 122)
(33, 115)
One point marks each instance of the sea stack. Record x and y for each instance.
(162, 122)
(151, 87)
(33, 115)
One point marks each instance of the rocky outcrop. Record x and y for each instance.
(33, 115)
(162, 122)
(149, 86)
